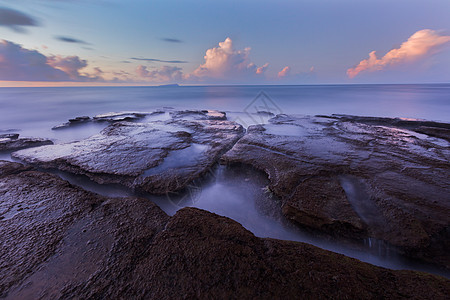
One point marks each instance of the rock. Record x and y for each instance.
(109, 117)
(206, 256)
(120, 116)
(59, 241)
(156, 157)
(443, 133)
(11, 142)
(351, 177)
(74, 121)
(199, 115)
(265, 113)
(45, 226)
(12, 136)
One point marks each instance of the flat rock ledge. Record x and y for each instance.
(12, 142)
(61, 242)
(358, 177)
(154, 156)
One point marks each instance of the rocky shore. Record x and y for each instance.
(347, 177)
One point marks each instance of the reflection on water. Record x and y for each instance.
(189, 156)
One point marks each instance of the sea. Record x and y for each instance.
(34, 111)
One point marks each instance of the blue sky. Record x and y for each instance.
(105, 41)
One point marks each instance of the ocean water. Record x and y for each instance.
(34, 111)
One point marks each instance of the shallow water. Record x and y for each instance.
(189, 156)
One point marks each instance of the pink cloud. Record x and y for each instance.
(224, 62)
(262, 69)
(421, 44)
(20, 64)
(164, 74)
(71, 65)
(285, 72)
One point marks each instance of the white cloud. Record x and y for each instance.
(226, 63)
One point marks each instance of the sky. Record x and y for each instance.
(141, 42)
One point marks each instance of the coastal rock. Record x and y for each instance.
(59, 241)
(111, 117)
(120, 116)
(53, 233)
(199, 115)
(156, 157)
(395, 180)
(74, 121)
(11, 142)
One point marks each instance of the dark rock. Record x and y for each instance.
(11, 142)
(199, 115)
(120, 116)
(206, 256)
(64, 242)
(395, 122)
(12, 136)
(396, 183)
(80, 119)
(265, 113)
(443, 133)
(155, 157)
(46, 226)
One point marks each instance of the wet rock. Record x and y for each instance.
(156, 157)
(199, 115)
(119, 116)
(74, 121)
(11, 142)
(206, 256)
(265, 113)
(109, 118)
(395, 181)
(12, 136)
(68, 243)
(443, 133)
(45, 226)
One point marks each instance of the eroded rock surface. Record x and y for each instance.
(11, 142)
(357, 178)
(156, 156)
(69, 243)
(110, 117)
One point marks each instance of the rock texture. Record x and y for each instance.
(11, 142)
(358, 177)
(69, 243)
(156, 156)
(110, 117)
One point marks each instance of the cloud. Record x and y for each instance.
(164, 74)
(15, 20)
(70, 40)
(171, 40)
(226, 63)
(160, 60)
(421, 44)
(262, 69)
(289, 77)
(20, 64)
(285, 72)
